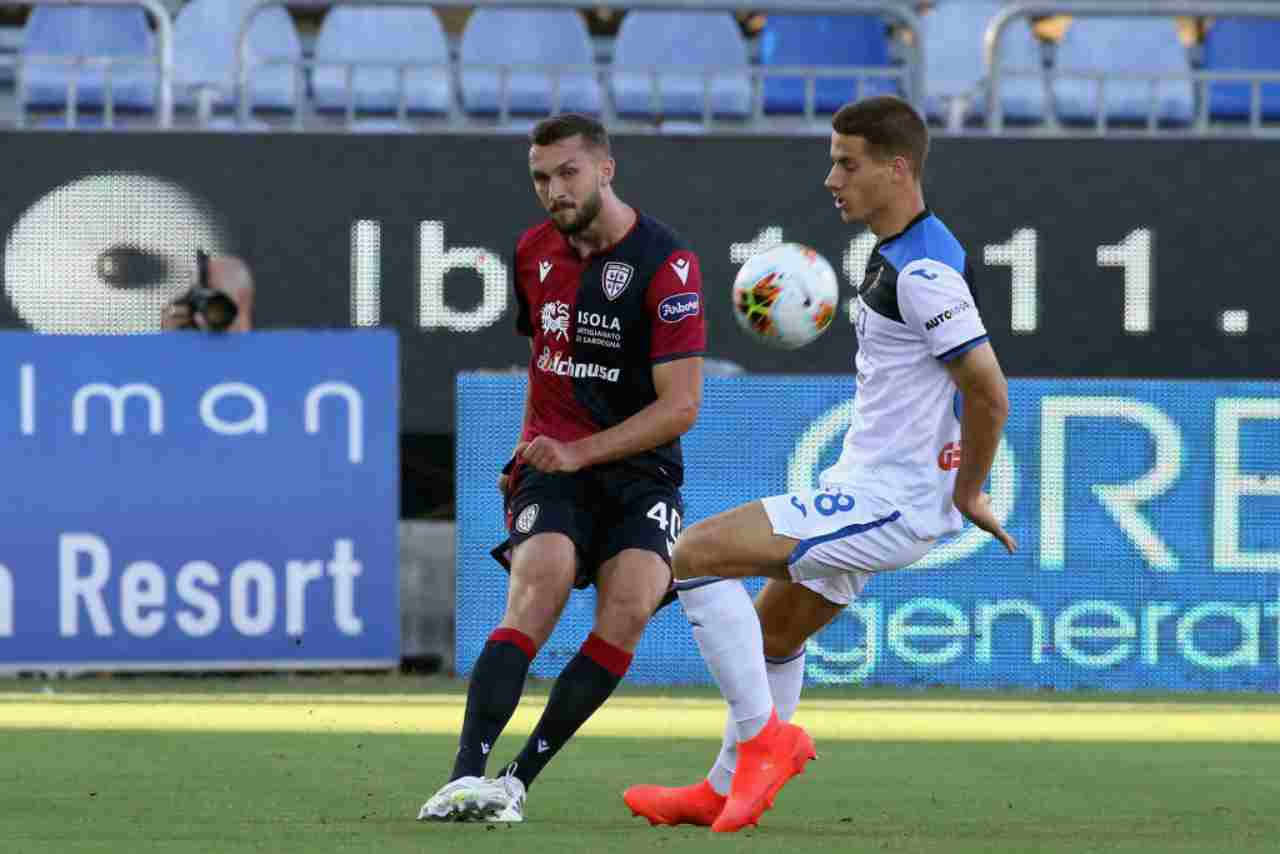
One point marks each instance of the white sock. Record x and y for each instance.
(728, 635)
(786, 678)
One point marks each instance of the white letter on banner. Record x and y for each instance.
(1230, 484)
(74, 588)
(355, 415)
(1152, 615)
(344, 570)
(117, 397)
(6, 602)
(1121, 500)
(298, 574)
(254, 422)
(142, 586)
(1066, 633)
(27, 399)
(1247, 617)
(434, 262)
(862, 658)
(256, 574)
(206, 613)
(900, 630)
(989, 612)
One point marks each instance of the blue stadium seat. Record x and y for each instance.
(1236, 44)
(204, 54)
(548, 37)
(113, 31)
(382, 35)
(850, 40)
(1118, 45)
(681, 45)
(955, 66)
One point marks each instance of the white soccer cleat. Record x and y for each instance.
(469, 799)
(515, 791)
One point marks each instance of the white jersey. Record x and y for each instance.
(914, 312)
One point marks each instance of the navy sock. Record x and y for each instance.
(497, 681)
(583, 686)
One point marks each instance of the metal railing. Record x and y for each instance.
(1200, 79)
(911, 75)
(163, 61)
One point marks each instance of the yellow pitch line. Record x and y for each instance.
(882, 720)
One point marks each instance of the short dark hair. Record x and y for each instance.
(551, 130)
(890, 126)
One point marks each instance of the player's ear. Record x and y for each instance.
(608, 167)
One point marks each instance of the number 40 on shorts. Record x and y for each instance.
(667, 517)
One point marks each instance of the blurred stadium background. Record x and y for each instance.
(321, 498)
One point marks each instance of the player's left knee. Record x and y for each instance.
(687, 558)
(623, 623)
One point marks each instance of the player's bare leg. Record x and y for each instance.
(629, 587)
(789, 615)
(710, 558)
(542, 573)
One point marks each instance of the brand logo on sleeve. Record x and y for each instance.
(544, 267)
(677, 307)
(681, 266)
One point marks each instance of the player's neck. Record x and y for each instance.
(611, 225)
(893, 219)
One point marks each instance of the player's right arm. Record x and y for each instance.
(936, 302)
(978, 376)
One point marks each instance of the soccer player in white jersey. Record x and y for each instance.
(930, 406)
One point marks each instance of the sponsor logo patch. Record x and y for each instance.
(615, 278)
(949, 456)
(553, 362)
(529, 515)
(942, 317)
(677, 307)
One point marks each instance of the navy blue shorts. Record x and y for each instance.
(602, 510)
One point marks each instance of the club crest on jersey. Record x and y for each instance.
(615, 278)
(524, 522)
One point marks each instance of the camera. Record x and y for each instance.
(218, 310)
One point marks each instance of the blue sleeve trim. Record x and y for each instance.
(962, 349)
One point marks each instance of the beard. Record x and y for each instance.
(587, 214)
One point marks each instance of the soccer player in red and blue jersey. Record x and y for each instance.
(611, 300)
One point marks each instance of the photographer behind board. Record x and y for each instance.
(220, 301)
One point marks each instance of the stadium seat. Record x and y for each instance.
(955, 64)
(382, 35)
(546, 37)
(112, 31)
(204, 54)
(1235, 44)
(683, 46)
(840, 40)
(1123, 46)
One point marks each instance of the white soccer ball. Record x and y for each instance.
(786, 296)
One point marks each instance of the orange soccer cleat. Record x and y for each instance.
(698, 804)
(765, 764)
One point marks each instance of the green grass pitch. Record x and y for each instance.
(341, 764)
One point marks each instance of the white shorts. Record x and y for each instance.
(845, 535)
